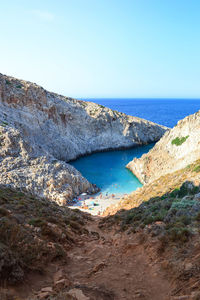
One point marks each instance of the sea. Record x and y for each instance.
(108, 169)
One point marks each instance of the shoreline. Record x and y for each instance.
(110, 149)
(96, 204)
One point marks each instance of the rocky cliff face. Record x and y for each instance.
(178, 148)
(22, 166)
(41, 131)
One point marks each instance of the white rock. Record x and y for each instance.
(41, 131)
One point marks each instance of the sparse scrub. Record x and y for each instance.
(8, 82)
(178, 141)
(4, 124)
(27, 227)
(197, 169)
(101, 106)
(177, 210)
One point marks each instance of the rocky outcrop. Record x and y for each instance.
(22, 166)
(178, 148)
(68, 128)
(41, 131)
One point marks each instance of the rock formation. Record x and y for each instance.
(22, 167)
(41, 131)
(178, 148)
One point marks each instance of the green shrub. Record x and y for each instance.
(183, 204)
(8, 82)
(197, 169)
(148, 220)
(178, 234)
(184, 220)
(101, 106)
(174, 193)
(4, 123)
(183, 191)
(178, 141)
(36, 222)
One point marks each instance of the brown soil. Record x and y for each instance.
(106, 265)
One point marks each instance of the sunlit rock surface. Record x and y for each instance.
(41, 131)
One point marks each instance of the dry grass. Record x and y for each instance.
(165, 184)
(34, 232)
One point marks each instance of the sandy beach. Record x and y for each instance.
(95, 204)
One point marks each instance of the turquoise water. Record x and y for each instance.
(107, 169)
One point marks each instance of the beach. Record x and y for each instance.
(95, 204)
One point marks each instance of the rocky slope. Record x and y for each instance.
(41, 131)
(23, 167)
(51, 252)
(178, 148)
(165, 184)
(148, 252)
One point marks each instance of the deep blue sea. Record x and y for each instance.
(107, 169)
(162, 111)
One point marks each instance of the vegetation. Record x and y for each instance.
(93, 112)
(84, 103)
(178, 141)
(197, 169)
(34, 232)
(8, 82)
(101, 106)
(171, 216)
(3, 123)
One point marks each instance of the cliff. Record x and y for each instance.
(23, 167)
(41, 131)
(178, 148)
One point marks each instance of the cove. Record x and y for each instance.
(108, 169)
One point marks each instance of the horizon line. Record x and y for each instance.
(141, 98)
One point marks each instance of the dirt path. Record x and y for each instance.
(116, 267)
(107, 266)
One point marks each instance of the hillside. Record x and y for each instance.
(164, 217)
(178, 148)
(41, 131)
(51, 252)
(148, 252)
(145, 247)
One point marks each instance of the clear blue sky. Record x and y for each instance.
(103, 48)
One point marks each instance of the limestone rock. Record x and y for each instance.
(43, 295)
(178, 148)
(47, 289)
(43, 176)
(78, 294)
(41, 131)
(61, 284)
(58, 275)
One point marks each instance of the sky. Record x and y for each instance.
(104, 48)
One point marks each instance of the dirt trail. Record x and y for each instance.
(108, 266)
(117, 266)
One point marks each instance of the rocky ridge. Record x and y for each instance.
(41, 131)
(178, 148)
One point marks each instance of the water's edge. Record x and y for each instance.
(107, 169)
